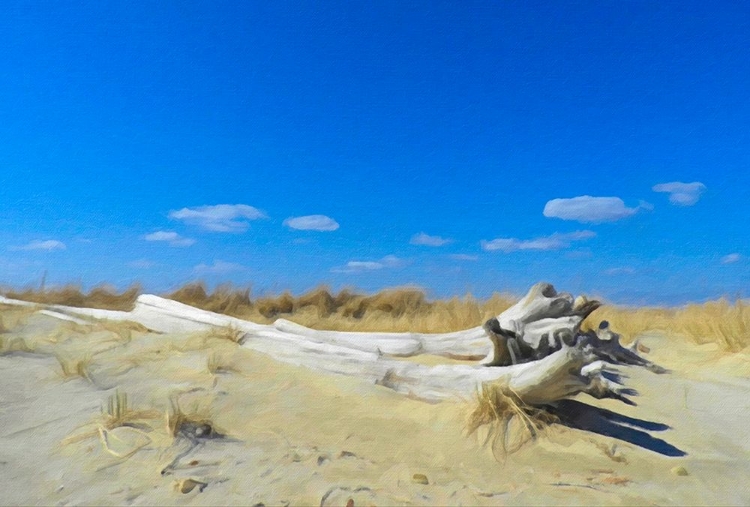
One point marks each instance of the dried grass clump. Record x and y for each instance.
(319, 299)
(217, 365)
(72, 295)
(119, 413)
(194, 423)
(229, 333)
(73, 368)
(393, 302)
(721, 322)
(271, 307)
(224, 299)
(511, 423)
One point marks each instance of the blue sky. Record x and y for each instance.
(458, 146)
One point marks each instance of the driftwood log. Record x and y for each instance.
(536, 348)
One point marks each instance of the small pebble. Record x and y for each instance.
(682, 471)
(420, 479)
(185, 486)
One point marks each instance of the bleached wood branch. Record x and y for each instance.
(544, 322)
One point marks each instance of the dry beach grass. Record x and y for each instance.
(722, 322)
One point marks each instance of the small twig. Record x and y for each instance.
(570, 484)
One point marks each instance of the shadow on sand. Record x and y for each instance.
(575, 414)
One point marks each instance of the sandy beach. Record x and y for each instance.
(274, 434)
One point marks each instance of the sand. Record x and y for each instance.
(288, 436)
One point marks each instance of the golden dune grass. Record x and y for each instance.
(71, 295)
(408, 309)
(396, 310)
(510, 423)
(721, 322)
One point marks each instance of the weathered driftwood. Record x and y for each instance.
(545, 321)
(541, 353)
(542, 322)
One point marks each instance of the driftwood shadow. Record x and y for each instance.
(578, 415)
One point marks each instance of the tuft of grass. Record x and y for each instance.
(229, 333)
(272, 307)
(216, 365)
(510, 422)
(72, 368)
(120, 413)
(117, 414)
(194, 423)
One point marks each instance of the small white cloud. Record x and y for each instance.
(170, 237)
(645, 205)
(389, 261)
(218, 268)
(142, 264)
(681, 194)
(588, 209)
(219, 218)
(312, 223)
(731, 258)
(427, 240)
(625, 270)
(48, 245)
(555, 241)
(578, 254)
(463, 257)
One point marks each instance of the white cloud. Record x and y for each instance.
(170, 237)
(681, 194)
(218, 268)
(427, 240)
(48, 245)
(555, 241)
(219, 218)
(625, 270)
(389, 261)
(731, 258)
(588, 209)
(312, 223)
(142, 264)
(464, 257)
(578, 254)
